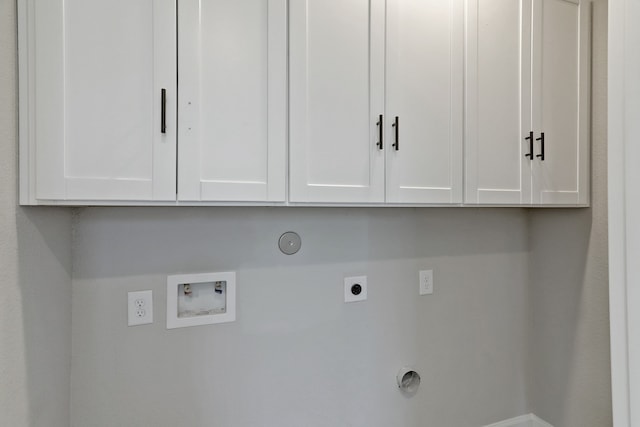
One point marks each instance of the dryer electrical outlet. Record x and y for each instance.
(355, 289)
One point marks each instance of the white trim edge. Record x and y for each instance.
(623, 202)
(537, 422)
(529, 420)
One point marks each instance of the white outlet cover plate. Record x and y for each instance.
(349, 282)
(140, 308)
(426, 282)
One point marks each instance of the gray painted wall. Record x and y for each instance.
(35, 279)
(571, 381)
(497, 339)
(297, 354)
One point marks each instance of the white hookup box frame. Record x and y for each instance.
(201, 299)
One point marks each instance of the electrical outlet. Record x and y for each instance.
(355, 289)
(140, 308)
(426, 282)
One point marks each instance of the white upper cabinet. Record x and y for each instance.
(232, 105)
(165, 102)
(561, 101)
(498, 98)
(336, 77)
(347, 142)
(92, 78)
(424, 101)
(527, 88)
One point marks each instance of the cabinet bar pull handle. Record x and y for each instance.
(163, 111)
(541, 139)
(530, 153)
(396, 125)
(380, 132)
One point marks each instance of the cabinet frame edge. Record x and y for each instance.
(26, 118)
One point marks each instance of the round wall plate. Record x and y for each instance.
(290, 243)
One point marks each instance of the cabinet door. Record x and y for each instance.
(92, 73)
(560, 101)
(336, 61)
(424, 91)
(498, 102)
(232, 108)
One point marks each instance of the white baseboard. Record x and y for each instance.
(529, 420)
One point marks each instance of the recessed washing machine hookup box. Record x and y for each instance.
(201, 299)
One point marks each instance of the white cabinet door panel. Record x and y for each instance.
(424, 90)
(560, 102)
(498, 97)
(232, 108)
(95, 118)
(527, 71)
(336, 96)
